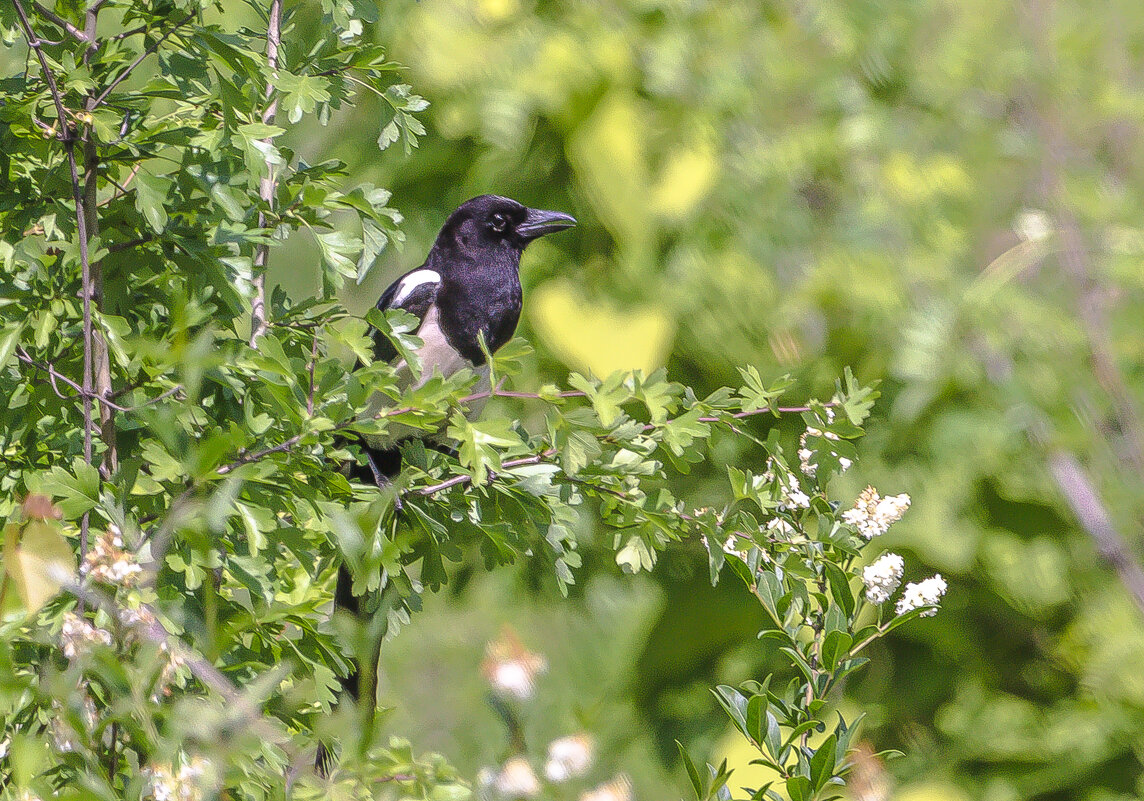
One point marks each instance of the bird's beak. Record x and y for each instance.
(540, 222)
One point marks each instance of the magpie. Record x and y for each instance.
(468, 287)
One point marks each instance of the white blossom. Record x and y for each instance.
(873, 515)
(618, 789)
(64, 737)
(569, 757)
(168, 673)
(791, 494)
(516, 779)
(164, 783)
(806, 453)
(924, 593)
(1033, 225)
(804, 456)
(510, 668)
(77, 635)
(883, 577)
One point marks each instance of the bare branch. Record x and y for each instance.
(124, 34)
(1082, 498)
(267, 184)
(254, 456)
(455, 481)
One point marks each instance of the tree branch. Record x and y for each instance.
(68, 137)
(59, 21)
(267, 184)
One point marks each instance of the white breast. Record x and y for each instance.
(437, 356)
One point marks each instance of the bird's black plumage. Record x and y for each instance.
(469, 286)
(472, 275)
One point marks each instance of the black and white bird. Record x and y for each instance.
(469, 286)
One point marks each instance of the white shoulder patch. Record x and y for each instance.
(414, 280)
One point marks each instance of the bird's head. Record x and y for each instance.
(492, 222)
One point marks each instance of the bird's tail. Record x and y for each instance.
(380, 467)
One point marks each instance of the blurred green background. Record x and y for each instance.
(945, 196)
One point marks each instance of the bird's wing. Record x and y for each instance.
(414, 292)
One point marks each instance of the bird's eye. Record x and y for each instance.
(498, 222)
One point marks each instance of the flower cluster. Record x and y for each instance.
(77, 635)
(512, 669)
(731, 546)
(186, 784)
(924, 593)
(873, 515)
(883, 577)
(136, 623)
(108, 563)
(780, 527)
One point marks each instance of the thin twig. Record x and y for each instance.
(254, 456)
(124, 34)
(55, 375)
(536, 458)
(134, 64)
(121, 189)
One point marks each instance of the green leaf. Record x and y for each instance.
(736, 705)
(840, 588)
(770, 592)
(38, 559)
(692, 773)
(799, 788)
(151, 199)
(9, 338)
(835, 646)
(822, 763)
